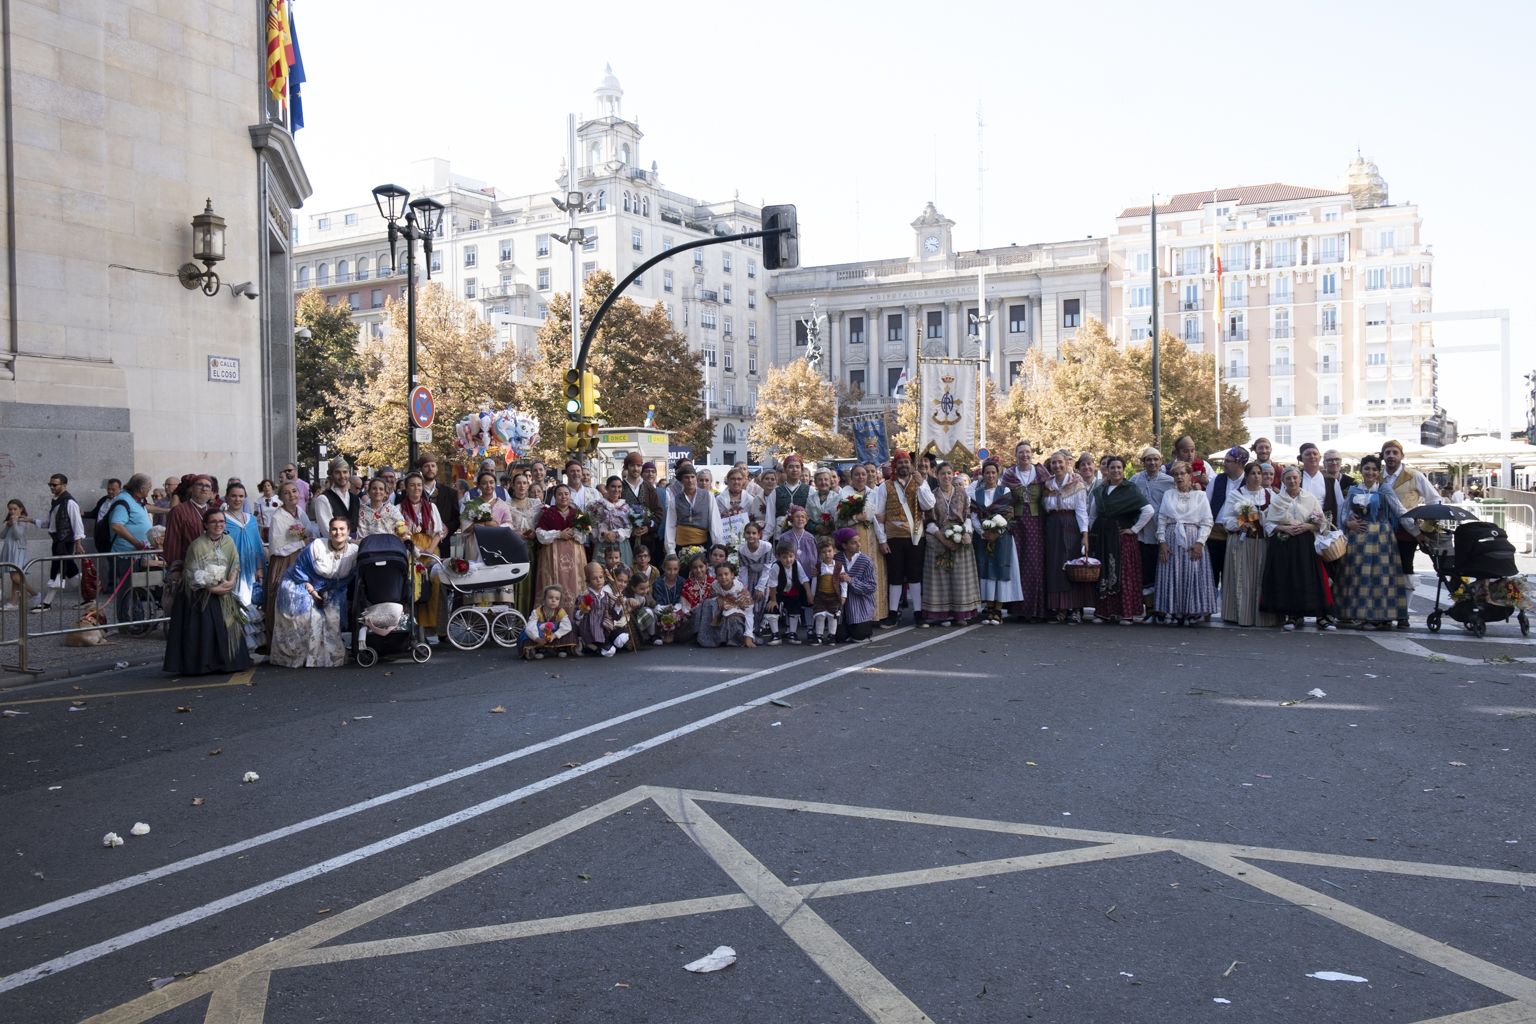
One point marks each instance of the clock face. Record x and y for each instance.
(931, 244)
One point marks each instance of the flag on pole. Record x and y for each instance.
(295, 79)
(869, 438)
(279, 49)
(900, 390)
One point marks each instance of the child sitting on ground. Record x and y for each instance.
(667, 592)
(549, 628)
(594, 616)
(731, 606)
(642, 610)
(784, 587)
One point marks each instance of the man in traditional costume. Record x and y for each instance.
(693, 517)
(899, 506)
(1412, 489)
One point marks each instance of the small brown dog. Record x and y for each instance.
(92, 616)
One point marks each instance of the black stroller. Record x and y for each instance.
(1481, 576)
(383, 619)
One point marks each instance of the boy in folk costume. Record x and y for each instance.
(830, 593)
(549, 628)
(857, 576)
(596, 625)
(784, 587)
(641, 607)
(902, 500)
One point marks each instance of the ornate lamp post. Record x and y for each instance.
(415, 220)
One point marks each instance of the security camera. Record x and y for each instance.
(246, 288)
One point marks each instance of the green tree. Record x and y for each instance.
(794, 414)
(1189, 397)
(325, 366)
(1088, 399)
(639, 359)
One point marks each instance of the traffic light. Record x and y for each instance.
(573, 435)
(591, 408)
(588, 437)
(573, 389)
(781, 250)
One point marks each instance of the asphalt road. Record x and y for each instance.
(994, 824)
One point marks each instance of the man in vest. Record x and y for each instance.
(1412, 489)
(337, 499)
(693, 518)
(792, 490)
(899, 506)
(1231, 478)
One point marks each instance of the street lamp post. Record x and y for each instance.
(415, 220)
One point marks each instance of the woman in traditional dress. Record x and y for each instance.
(379, 515)
(1295, 585)
(243, 526)
(790, 491)
(858, 571)
(1184, 589)
(484, 508)
(1242, 575)
(562, 556)
(821, 504)
(1375, 591)
(1119, 511)
(206, 634)
(1087, 467)
(424, 526)
(693, 518)
(1066, 535)
(737, 507)
(951, 592)
(288, 530)
(996, 567)
(856, 511)
(611, 525)
(522, 516)
(1026, 481)
(312, 603)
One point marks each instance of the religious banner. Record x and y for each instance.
(947, 413)
(869, 437)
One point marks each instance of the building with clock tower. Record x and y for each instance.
(935, 235)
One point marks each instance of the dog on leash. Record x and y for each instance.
(89, 637)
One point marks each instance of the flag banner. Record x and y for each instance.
(295, 79)
(279, 49)
(900, 390)
(947, 412)
(869, 438)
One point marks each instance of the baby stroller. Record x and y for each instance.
(382, 620)
(1481, 576)
(503, 561)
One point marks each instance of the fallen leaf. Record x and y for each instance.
(571, 764)
(197, 801)
(498, 710)
(182, 709)
(1457, 764)
(780, 703)
(216, 751)
(585, 878)
(323, 910)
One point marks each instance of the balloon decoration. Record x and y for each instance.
(507, 434)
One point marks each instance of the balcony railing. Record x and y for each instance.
(1282, 369)
(1238, 335)
(1189, 305)
(1192, 337)
(1279, 331)
(1328, 367)
(706, 295)
(1237, 373)
(1281, 408)
(1329, 329)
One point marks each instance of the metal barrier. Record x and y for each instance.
(129, 593)
(1518, 520)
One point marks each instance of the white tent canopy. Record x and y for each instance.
(1485, 449)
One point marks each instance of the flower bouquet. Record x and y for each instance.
(460, 566)
(849, 507)
(401, 530)
(955, 533)
(823, 525)
(1248, 518)
(992, 527)
(689, 553)
(548, 629)
(783, 524)
(666, 618)
(296, 531)
(582, 523)
(477, 512)
(587, 603)
(1512, 592)
(639, 518)
(733, 560)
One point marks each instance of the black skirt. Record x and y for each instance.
(198, 643)
(1293, 578)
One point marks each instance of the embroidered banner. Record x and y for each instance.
(947, 416)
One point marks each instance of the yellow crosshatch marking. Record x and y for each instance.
(239, 986)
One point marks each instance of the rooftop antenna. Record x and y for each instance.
(981, 179)
(935, 168)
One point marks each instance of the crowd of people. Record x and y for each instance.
(781, 556)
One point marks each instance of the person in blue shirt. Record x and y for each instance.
(129, 521)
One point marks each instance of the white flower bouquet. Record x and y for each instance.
(995, 524)
(955, 533)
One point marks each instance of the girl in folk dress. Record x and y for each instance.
(612, 524)
(830, 593)
(522, 516)
(951, 591)
(667, 591)
(426, 531)
(738, 507)
(1375, 591)
(862, 497)
(642, 608)
(1066, 534)
(596, 623)
(1184, 589)
(379, 514)
(312, 603)
(1119, 511)
(1242, 575)
(1027, 527)
(730, 618)
(696, 590)
(858, 577)
(549, 629)
(753, 558)
(997, 568)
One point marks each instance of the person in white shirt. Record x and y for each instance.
(1312, 479)
(1185, 592)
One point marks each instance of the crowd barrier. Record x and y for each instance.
(130, 588)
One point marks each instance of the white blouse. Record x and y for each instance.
(1076, 503)
(1190, 510)
(1259, 499)
(1147, 511)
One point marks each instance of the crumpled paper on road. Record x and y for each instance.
(721, 958)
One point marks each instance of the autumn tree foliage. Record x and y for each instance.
(325, 365)
(795, 408)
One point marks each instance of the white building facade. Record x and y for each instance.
(881, 314)
(124, 120)
(1320, 288)
(500, 254)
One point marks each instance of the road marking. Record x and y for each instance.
(1315, 705)
(1403, 645)
(88, 697)
(241, 846)
(97, 950)
(239, 986)
(1506, 710)
(860, 980)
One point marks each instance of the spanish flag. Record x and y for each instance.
(279, 49)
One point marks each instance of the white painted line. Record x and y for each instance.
(1504, 710)
(1403, 645)
(1315, 705)
(241, 846)
(100, 949)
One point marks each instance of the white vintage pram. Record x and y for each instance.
(503, 561)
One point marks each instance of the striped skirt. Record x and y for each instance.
(951, 591)
(1184, 585)
(1063, 543)
(1242, 578)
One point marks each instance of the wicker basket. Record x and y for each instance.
(1083, 573)
(1335, 551)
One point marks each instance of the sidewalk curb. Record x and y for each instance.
(27, 680)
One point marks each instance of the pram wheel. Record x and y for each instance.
(1477, 626)
(367, 657)
(1525, 625)
(507, 626)
(1432, 620)
(421, 653)
(468, 628)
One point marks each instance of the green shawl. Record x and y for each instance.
(200, 570)
(1113, 513)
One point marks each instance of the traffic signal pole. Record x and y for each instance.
(613, 296)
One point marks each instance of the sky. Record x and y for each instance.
(860, 113)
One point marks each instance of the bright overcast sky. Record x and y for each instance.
(860, 112)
